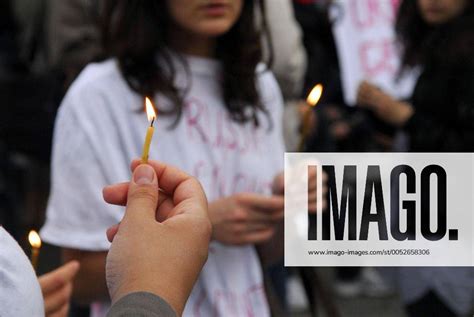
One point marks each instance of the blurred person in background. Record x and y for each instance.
(438, 36)
(219, 118)
(289, 64)
(22, 293)
(73, 29)
(337, 127)
(74, 41)
(29, 96)
(29, 93)
(27, 122)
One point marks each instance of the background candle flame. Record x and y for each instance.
(315, 95)
(34, 239)
(150, 110)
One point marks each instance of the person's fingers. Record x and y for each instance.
(63, 312)
(312, 202)
(324, 190)
(265, 217)
(312, 183)
(165, 205)
(258, 236)
(312, 208)
(55, 301)
(365, 95)
(258, 226)
(165, 209)
(275, 202)
(142, 195)
(117, 194)
(263, 203)
(324, 204)
(364, 102)
(112, 231)
(242, 230)
(314, 195)
(185, 190)
(314, 189)
(278, 185)
(188, 194)
(313, 179)
(325, 177)
(169, 177)
(255, 216)
(362, 88)
(54, 280)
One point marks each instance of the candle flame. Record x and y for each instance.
(315, 95)
(34, 239)
(150, 110)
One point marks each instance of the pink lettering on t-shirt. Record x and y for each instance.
(255, 293)
(215, 128)
(195, 114)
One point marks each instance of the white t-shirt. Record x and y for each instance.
(20, 293)
(101, 127)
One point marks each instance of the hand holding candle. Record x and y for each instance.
(312, 100)
(35, 242)
(151, 114)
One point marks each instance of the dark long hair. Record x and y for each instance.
(422, 43)
(135, 32)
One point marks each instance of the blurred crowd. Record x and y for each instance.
(72, 67)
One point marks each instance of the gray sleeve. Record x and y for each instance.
(141, 304)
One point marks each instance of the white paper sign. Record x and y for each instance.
(366, 44)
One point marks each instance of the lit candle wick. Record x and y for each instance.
(151, 114)
(35, 242)
(312, 101)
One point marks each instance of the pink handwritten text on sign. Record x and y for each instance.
(367, 49)
(369, 13)
(376, 55)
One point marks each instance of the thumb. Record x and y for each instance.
(278, 184)
(142, 194)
